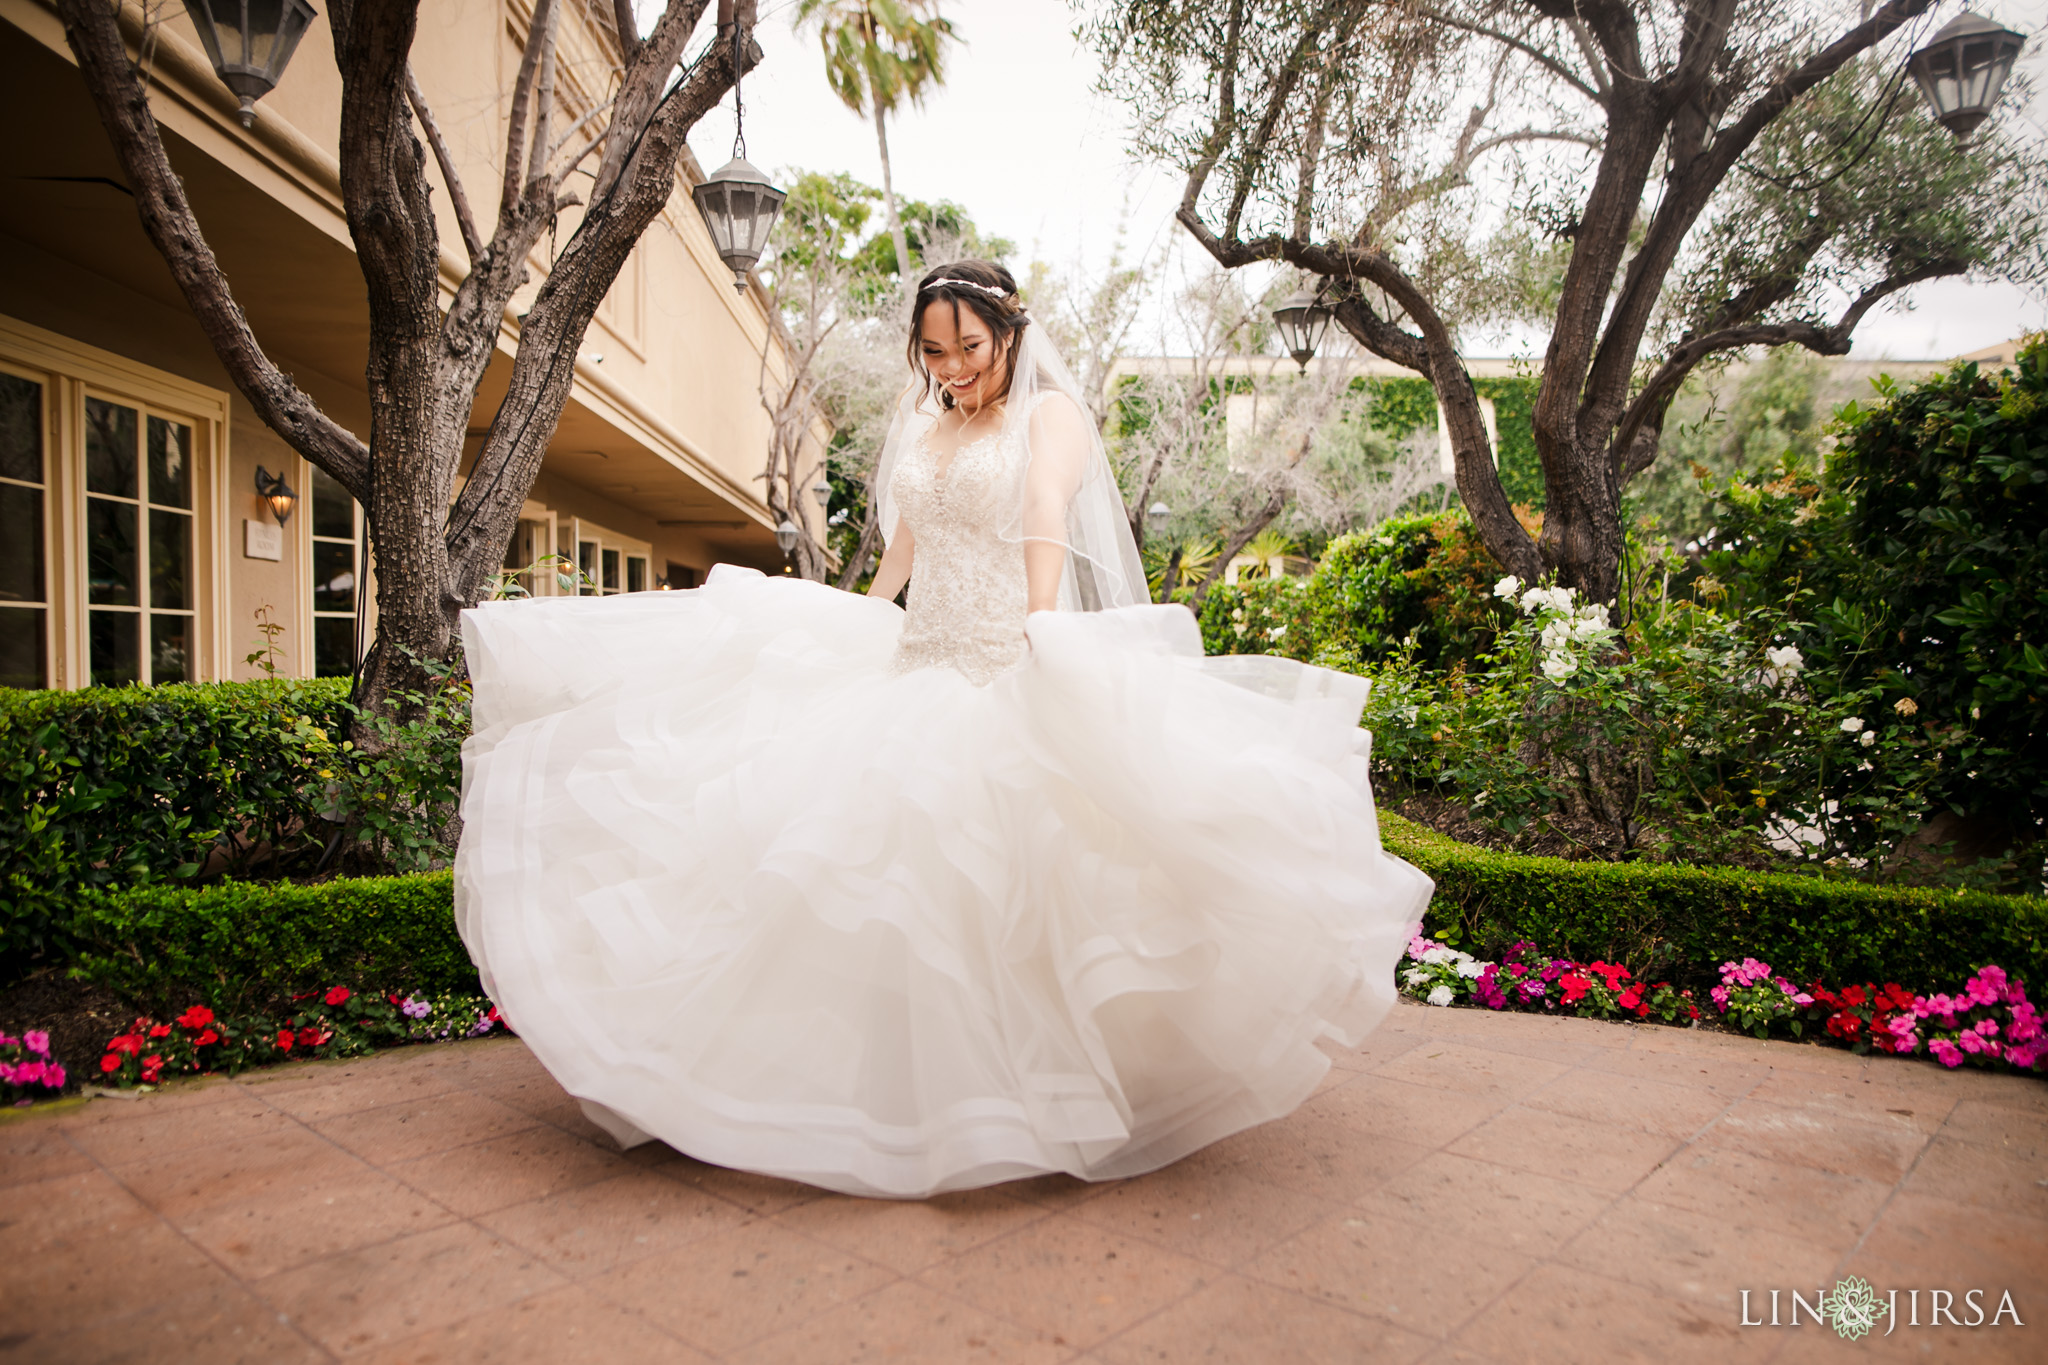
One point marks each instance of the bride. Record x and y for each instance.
(901, 901)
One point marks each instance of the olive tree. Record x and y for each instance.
(426, 361)
(1655, 182)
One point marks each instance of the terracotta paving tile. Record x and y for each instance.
(1072, 1281)
(1808, 1346)
(263, 1233)
(33, 1147)
(735, 1287)
(1967, 1083)
(1405, 1272)
(761, 1194)
(1815, 1205)
(1605, 1156)
(908, 1235)
(904, 1323)
(1702, 1260)
(77, 1247)
(2014, 1132)
(571, 1326)
(1559, 1314)
(325, 1091)
(1629, 1101)
(1319, 1157)
(513, 1169)
(1383, 1044)
(589, 1230)
(1470, 1070)
(1236, 1321)
(1058, 1191)
(377, 1295)
(189, 1092)
(1731, 1076)
(1874, 1099)
(159, 1125)
(179, 1183)
(1417, 1114)
(219, 1324)
(1805, 1135)
(1975, 1173)
(1938, 1244)
(1225, 1218)
(421, 1127)
(1477, 1201)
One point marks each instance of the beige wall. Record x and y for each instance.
(664, 434)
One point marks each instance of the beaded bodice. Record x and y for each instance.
(967, 590)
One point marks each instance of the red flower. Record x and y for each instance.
(1611, 972)
(314, 1037)
(1894, 997)
(152, 1067)
(209, 1036)
(197, 1017)
(1631, 997)
(1845, 1026)
(127, 1042)
(1853, 996)
(394, 997)
(1575, 986)
(110, 1063)
(159, 1030)
(284, 1040)
(338, 995)
(494, 1016)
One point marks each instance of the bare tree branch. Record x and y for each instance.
(627, 24)
(522, 99)
(465, 221)
(95, 37)
(1597, 94)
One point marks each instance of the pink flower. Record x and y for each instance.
(37, 1041)
(1719, 995)
(1947, 1053)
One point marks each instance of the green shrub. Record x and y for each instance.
(242, 947)
(1682, 922)
(137, 785)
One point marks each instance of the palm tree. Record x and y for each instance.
(879, 53)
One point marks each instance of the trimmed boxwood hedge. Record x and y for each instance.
(243, 946)
(1682, 922)
(125, 786)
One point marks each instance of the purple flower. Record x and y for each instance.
(416, 1009)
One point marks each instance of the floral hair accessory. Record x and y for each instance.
(993, 291)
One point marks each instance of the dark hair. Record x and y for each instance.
(956, 283)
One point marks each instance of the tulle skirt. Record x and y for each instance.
(743, 888)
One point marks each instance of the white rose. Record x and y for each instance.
(1851, 725)
(1596, 613)
(1507, 587)
(1787, 660)
(1585, 628)
(1442, 995)
(1556, 635)
(1869, 738)
(1560, 666)
(1471, 969)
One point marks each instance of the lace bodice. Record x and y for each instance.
(967, 589)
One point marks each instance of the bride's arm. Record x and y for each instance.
(1059, 443)
(894, 570)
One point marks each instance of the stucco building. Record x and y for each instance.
(134, 545)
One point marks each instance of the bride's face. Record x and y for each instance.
(961, 353)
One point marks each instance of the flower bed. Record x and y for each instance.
(1990, 1022)
(27, 1071)
(336, 1022)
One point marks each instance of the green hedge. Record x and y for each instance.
(244, 946)
(1680, 921)
(122, 786)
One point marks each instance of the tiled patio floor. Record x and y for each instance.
(1467, 1187)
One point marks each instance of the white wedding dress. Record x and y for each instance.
(902, 902)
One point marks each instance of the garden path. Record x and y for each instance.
(1466, 1187)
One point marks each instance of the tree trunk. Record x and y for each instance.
(896, 233)
(1582, 537)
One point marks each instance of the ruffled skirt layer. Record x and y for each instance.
(743, 888)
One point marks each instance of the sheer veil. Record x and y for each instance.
(1059, 486)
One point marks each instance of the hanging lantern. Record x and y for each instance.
(1158, 512)
(1302, 320)
(1963, 69)
(739, 207)
(822, 491)
(249, 42)
(274, 490)
(785, 537)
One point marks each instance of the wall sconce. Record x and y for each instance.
(273, 489)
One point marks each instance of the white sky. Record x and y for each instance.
(1064, 192)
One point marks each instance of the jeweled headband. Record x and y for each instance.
(989, 289)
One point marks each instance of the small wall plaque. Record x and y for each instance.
(261, 540)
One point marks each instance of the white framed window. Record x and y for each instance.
(25, 531)
(110, 514)
(607, 563)
(335, 524)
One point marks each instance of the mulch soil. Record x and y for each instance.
(80, 1018)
